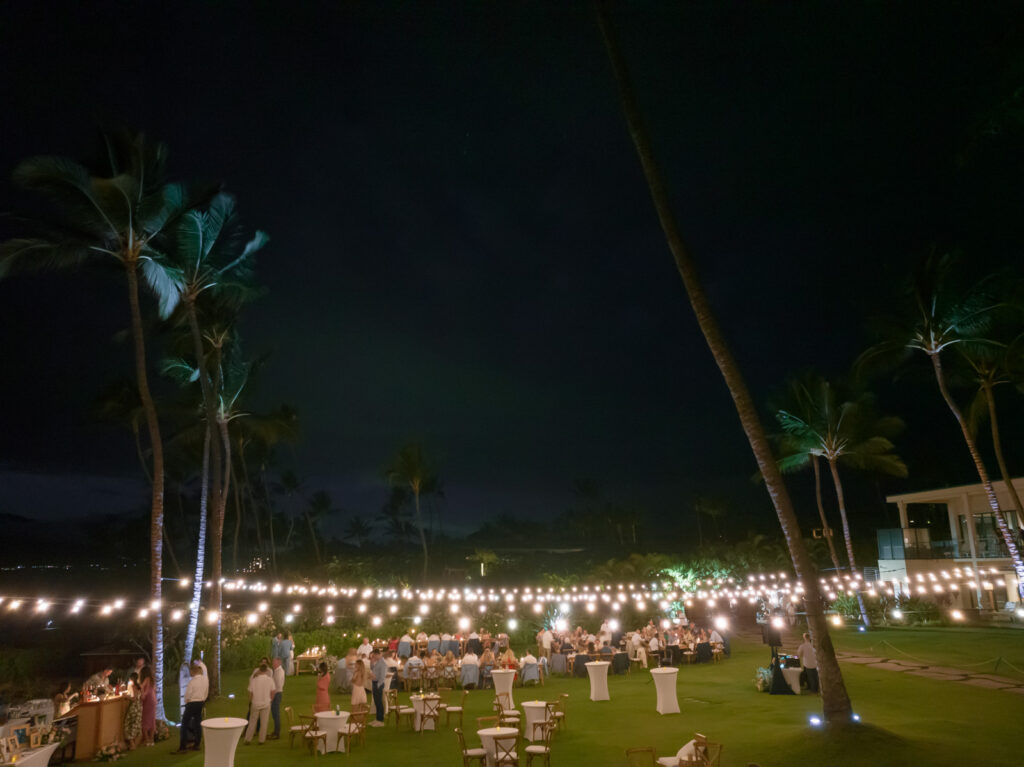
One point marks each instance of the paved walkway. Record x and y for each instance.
(976, 679)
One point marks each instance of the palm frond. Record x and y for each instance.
(166, 283)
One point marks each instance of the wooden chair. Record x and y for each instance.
(507, 715)
(431, 712)
(413, 677)
(560, 706)
(450, 675)
(505, 749)
(431, 675)
(640, 756)
(444, 693)
(354, 728)
(483, 722)
(542, 749)
(311, 736)
(549, 720)
(398, 710)
(293, 728)
(457, 710)
(470, 754)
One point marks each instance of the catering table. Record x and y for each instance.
(220, 739)
(36, 757)
(665, 684)
(487, 740)
(418, 707)
(792, 676)
(100, 723)
(598, 671)
(503, 679)
(331, 723)
(312, 660)
(536, 711)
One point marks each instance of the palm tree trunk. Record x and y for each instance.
(252, 498)
(835, 700)
(197, 583)
(312, 536)
(990, 493)
(841, 498)
(217, 598)
(821, 512)
(270, 521)
(156, 525)
(423, 537)
(238, 519)
(997, 446)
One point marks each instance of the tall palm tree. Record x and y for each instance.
(359, 530)
(412, 469)
(945, 315)
(118, 218)
(835, 700)
(319, 507)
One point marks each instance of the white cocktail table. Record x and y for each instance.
(220, 739)
(418, 707)
(536, 711)
(331, 723)
(598, 671)
(503, 679)
(487, 740)
(665, 684)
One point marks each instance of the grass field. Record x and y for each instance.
(906, 720)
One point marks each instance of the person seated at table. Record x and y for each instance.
(415, 665)
(470, 659)
(323, 690)
(485, 637)
(393, 644)
(508, 660)
(528, 658)
(421, 637)
(487, 658)
(590, 649)
(449, 660)
(715, 637)
(436, 659)
(606, 651)
(655, 644)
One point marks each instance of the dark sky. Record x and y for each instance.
(462, 246)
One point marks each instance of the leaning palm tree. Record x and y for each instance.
(835, 700)
(945, 315)
(119, 218)
(411, 469)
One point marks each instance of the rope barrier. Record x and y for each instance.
(960, 666)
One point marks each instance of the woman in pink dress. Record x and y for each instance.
(147, 693)
(323, 685)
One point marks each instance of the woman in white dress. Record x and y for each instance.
(359, 684)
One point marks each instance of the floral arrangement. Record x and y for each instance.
(332, 663)
(763, 679)
(163, 732)
(109, 753)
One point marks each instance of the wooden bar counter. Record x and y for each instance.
(100, 723)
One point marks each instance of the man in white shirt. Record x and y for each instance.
(546, 638)
(471, 659)
(637, 643)
(196, 692)
(528, 658)
(261, 693)
(365, 649)
(277, 674)
(809, 660)
(716, 637)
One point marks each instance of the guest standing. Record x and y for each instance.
(196, 692)
(133, 716)
(147, 691)
(323, 686)
(277, 674)
(359, 684)
(379, 669)
(809, 660)
(261, 692)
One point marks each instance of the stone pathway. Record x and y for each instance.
(945, 673)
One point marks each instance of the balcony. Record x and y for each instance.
(917, 543)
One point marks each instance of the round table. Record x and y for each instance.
(418, 708)
(503, 679)
(331, 723)
(792, 676)
(665, 684)
(220, 739)
(487, 740)
(536, 711)
(598, 671)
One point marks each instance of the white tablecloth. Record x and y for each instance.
(37, 757)
(689, 751)
(418, 707)
(793, 678)
(535, 711)
(665, 684)
(487, 740)
(220, 739)
(331, 723)
(598, 670)
(503, 679)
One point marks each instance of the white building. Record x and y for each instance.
(949, 536)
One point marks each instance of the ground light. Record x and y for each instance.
(815, 721)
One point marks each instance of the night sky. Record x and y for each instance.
(463, 250)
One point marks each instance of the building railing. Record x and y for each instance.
(917, 543)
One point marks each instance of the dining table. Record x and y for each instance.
(331, 722)
(598, 671)
(503, 679)
(220, 739)
(487, 740)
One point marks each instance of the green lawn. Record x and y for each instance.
(907, 720)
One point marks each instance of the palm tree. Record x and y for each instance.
(947, 315)
(266, 431)
(120, 218)
(835, 700)
(319, 507)
(359, 530)
(411, 469)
